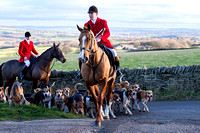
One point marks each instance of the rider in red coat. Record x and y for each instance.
(97, 25)
(25, 48)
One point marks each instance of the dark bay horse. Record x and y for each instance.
(96, 70)
(38, 71)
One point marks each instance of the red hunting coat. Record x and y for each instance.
(25, 50)
(96, 28)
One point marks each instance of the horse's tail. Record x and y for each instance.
(121, 78)
(76, 85)
(1, 75)
(6, 92)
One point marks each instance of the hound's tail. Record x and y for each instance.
(52, 86)
(1, 76)
(76, 85)
(121, 78)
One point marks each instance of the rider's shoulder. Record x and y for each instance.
(102, 20)
(88, 22)
(22, 42)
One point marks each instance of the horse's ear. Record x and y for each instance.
(54, 45)
(89, 28)
(79, 28)
(58, 45)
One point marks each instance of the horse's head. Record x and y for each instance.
(87, 40)
(57, 53)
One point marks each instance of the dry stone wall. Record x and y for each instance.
(179, 77)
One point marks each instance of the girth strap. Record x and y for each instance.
(94, 67)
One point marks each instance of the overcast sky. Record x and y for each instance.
(124, 13)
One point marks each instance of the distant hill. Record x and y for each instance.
(131, 38)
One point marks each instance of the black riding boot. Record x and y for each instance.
(79, 75)
(21, 76)
(119, 73)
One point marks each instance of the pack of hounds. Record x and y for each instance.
(125, 97)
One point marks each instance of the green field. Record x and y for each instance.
(32, 112)
(168, 58)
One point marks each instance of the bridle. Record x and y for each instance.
(59, 56)
(92, 41)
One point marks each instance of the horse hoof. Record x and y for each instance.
(115, 117)
(107, 117)
(98, 124)
(139, 110)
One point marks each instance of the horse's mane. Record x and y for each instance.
(45, 51)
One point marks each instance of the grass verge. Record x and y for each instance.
(176, 95)
(33, 112)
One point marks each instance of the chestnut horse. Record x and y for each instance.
(38, 71)
(96, 70)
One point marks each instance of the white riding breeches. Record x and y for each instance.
(27, 63)
(113, 52)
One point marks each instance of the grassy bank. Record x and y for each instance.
(176, 95)
(32, 112)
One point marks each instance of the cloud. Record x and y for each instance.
(116, 12)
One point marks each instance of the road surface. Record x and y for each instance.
(164, 117)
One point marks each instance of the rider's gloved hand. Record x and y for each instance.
(98, 39)
(37, 55)
(25, 58)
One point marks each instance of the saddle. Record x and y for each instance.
(108, 53)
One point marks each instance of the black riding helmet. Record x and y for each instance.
(27, 34)
(93, 9)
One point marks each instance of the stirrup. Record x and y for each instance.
(119, 73)
(21, 76)
(79, 76)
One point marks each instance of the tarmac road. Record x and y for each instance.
(164, 117)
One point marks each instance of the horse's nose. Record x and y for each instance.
(63, 60)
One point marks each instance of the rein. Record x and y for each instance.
(50, 68)
(51, 65)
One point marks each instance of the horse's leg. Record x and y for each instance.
(46, 82)
(92, 90)
(35, 84)
(96, 89)
(6, 85)
(103, 85)
(110, 87)
(9, 84)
